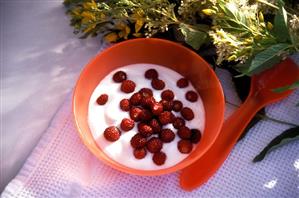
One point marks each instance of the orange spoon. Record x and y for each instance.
(260, 95)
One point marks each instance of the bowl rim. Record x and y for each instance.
(174, 168)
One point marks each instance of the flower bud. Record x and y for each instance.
(269, 25)
(208, 12)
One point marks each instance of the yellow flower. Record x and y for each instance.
(269, 26)
(138, 25)
(138, 15)
(111, 37)
(232, 58)
(87, 17)
(124, 30)
(261, 17)
(208, 12)
(137, 34)
(90, 5)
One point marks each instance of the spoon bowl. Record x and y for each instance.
(261, 94)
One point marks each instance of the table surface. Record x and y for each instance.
(41, 59)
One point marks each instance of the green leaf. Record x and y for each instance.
(282, 139)
(194, 38)
(292, 86)
(267, 58)
(281, 26)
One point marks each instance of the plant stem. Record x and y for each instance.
(271, 5)
(265, 117)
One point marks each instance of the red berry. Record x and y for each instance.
(182, 83)
(166, 117)
(184, 132)
(167, 95)
(178, 122)
(147, 101)
(135, 113)
(125, 105)
(167, 105)
(191, 96)
(139, 153)
(135, 99)
(154, 145)
(159, 158)
(138, 141)
(144, 129)
(127, 86)
(146, 115)
(154, 123)
(177, 105)
(195, 136)
(146, 92)
(187, 113)
(185, 146)
(102, 99)
(151, 74)
(157, 108)
(112, 133)
(119, 76)
(158, 84)
(127, 124)
(167, 135)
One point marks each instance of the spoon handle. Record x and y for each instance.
(200, 171)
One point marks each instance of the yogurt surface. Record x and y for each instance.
(102, 116)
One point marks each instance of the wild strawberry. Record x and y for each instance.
(187, 113)
(139, 153)
(112, 133)
(102, 99)
(178, 122)
(195, 136)
(177, 105)
(157, 108)
(158, 84)
(146, 115)
(146, 92)
(184, 132)
(144, 129)
(167, 135)
(147, 101)
(154, 145)
(135, 99)
(138, 141)
(127, 86)
(151, 74)
(127, 124)
(159, 158)
(119, 76)
(156, 126)
(167, 95)
(182, 83)
(166, 117)
(135, 113)
(185, 146)
(191, 96)
(125, 105)
(167, 105)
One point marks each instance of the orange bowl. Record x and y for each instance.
(155, 51)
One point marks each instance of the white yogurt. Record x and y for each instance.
(102, 116)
